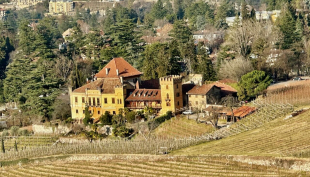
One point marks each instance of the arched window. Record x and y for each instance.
(167, 96)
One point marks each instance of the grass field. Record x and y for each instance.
(181, 127)
(94, 166)
(280, 137)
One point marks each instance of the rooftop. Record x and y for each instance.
(118, 67)
(201, 90)
(145, 95)
(242, 111)
(105, 85)
(227, 89)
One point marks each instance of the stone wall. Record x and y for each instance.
(41, 129)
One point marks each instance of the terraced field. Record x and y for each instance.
(280, 137)
(147, 166)
(28, 141)
(181, 127)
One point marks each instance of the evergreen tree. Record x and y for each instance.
(126, 41)
(158, 11)
(175, 57)
(2, 145)
(181, 32)
(87, 119)
(252, 84)
(287, 25)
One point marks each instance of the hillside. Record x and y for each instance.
(280, 137)
(181, 127)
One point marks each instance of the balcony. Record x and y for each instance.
(141, 106)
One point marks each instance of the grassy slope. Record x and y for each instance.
(181, 128)
(277, 138)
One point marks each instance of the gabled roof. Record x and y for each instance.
(201, 90)
(145, 95)
(242, 111)
(227, 89)
(105, 85)
(123, 67)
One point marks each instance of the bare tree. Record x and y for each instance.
(234, 69)
(63, 67)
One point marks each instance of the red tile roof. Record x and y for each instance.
(145, 95)
(106, 85)
(227, 81)
(225, 88)
(201, 90)
(124, 69)
(242, 111)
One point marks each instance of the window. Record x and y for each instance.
(98, 112)
(196, 102)
(83, 111)
(77, 111)
(202, 96)
(83, 99)
(189, 95)
(177, 85)
(94, 101)
(105, 100)
(114, 112)
(178, 103)
(89, 101)
(196, 96)
(113, 100)
(120, 101)
(98, 101)
(76, 99)
(167, 96)
(117, 101)
(167, 104)
(167, 87)
(178, 94)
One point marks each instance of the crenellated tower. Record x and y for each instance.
(171, 93)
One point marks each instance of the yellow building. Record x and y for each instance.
(171, 93)
(107, 92)
(60, 7)
(118, 85)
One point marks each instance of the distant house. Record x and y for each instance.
(67, 33)
(201, 95)
(225, 89)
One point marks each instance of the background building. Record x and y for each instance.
(61, 7)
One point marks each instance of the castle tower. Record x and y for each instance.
(171, 93)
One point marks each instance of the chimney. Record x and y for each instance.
(117, 72)
(107, 71)
(122, 81)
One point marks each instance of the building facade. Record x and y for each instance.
(201, 95)
(60, 7)
(118, 85)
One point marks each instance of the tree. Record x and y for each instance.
(252, 84)
(158, 11)
(181, 32)
(2, 145)
(106, 118)
(287, 25)
(87, 119)
(235, 69)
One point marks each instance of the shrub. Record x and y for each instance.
(156, 122)
(5, 133)
(14, 131)
(23, 132)
(122, 131)
(106, 118)
(131, 116)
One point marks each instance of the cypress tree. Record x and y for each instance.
(2, 145)
(15, 146)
